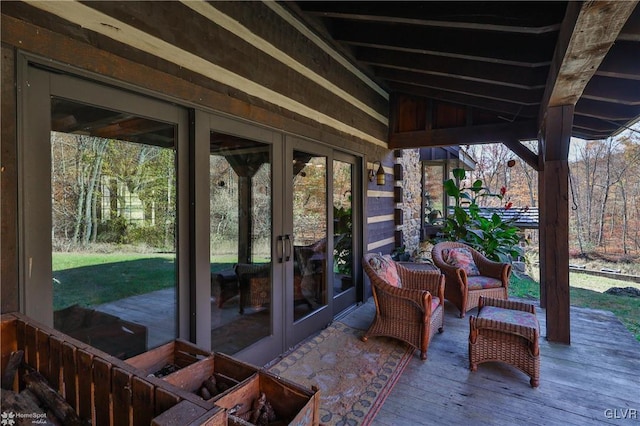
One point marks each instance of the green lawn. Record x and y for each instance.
(90, 279)
(627, 309)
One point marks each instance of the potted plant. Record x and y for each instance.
(495, 237)
(400, 254)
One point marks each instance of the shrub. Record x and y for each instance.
(496, 238)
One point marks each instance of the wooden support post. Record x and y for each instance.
(244, 219)
(554, 230)
(541, 224)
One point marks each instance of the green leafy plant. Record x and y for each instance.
(496, 238)
(400, 254)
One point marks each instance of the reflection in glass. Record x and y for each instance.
(342, 227)
(240, 220)
(113, 182)
(309, 233)
(433, 200)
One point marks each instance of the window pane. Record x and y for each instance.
(342, 227)
(240, 212)
(309, 233)
(433, 193)
(113, 180)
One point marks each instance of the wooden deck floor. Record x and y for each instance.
(594, 380)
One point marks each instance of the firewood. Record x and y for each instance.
(222, 386)
(263, 420)
(51, 399)
(15, 359)
(210, 384)
(235, 409)
(26, 402)
(258, 404)
(238, 421)
(204, 393)
(270, 412)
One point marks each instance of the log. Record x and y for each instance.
(8, 377)
(26, 403)
(51, 399)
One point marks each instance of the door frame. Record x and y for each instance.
(352, 296)
(296, 331)
(192, 153)
(271, 346)
(37, 85)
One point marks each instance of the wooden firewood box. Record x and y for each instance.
(105, 390)
(99, 387)
(293, 404)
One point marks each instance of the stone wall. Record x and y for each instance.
(412, 197)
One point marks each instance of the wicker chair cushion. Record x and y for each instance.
(435, 301)
(385, 268)
(461, 258)
(479, 282)
(509, 316)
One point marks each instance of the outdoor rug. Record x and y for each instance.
(354, 377)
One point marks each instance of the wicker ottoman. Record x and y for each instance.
(505, 331)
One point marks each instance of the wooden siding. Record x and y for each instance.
(249, 60)
(380, 208)
(173, 38)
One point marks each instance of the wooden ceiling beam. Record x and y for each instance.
(433, 23)
(621, 61)
(524, 17)
(510, 110)
(517, 49)
(470, 135)
(479, 71)
(606, 110)
(616, 90)
(588, 31)
(523, 152)
(465, 87)
(595, 124)
(631, 29)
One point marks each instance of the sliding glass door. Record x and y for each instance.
(142, 222)
(307, 223)
(281, 240)
(241, 240)
(100, 204)
(346, 238)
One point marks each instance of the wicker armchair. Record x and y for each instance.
(412, 312)
(464, 290)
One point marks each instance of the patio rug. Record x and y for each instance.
(354, 377)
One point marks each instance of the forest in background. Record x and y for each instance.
(604, 191)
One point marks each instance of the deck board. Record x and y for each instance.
(578, 382)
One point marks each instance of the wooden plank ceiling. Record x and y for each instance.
(493, 67)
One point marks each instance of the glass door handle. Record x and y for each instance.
(280, 248)
(288, 252)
